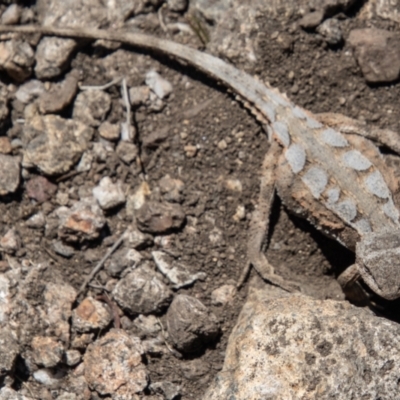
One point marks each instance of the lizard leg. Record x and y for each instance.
(349, 281)
(344, 124)
(259, 226)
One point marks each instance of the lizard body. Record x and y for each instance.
(337, 181)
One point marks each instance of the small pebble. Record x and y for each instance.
(160, 86)
(11, 15)
(222, 145)
(109, 131)
(108, 194)
(190, 150)
(72, 357)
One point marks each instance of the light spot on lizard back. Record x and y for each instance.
(281, 131)
(276, 98)
(355, 160)
(346, 209)
(313, 123)
(296, 157)
(376, 185)
(299, 113)
(333, 194)
(316, 180)
(362, 226)
(391, 211)
(334, 138)
(268, 111)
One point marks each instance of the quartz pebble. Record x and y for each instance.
(160, 86)
(176, 272)
(108, 194)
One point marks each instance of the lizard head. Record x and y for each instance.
(378, 261)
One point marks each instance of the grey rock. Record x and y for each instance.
(48, 377)
(195, 369)
(139, 95)
(142, 292)
(155, 138)
(122, 259)
(29, 91)
(10, 171)
(10, 242)
(331, 31)
(154, 217)
(160, 86)
(127, 151)
(190, 323)
(9, 349)
(378, 54)
(171, 189)
(36, 221)
(169, 390)
(138, 240)
(108, 194)
(17, 59)
(91, 107)
(386, 9)
(46, 138)
(60, 95)
(223, 295)
(311, 20)
(11, 15)
(72, 357)
(90, 315)
(177, 273)
(62, 249)
(83, 221)
(296, 347)
(52, 56)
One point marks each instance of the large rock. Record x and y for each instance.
(378, 54)
(295, 347)
(54, 144)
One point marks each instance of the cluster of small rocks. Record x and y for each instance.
(67, 345)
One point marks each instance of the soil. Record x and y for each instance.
(314, 76)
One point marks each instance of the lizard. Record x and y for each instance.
(325, 168)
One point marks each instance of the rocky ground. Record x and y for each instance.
(108, 148)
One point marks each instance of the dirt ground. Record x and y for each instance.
(202, 113)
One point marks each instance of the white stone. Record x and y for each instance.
(316, 179)
(296, 157)
(109, 194)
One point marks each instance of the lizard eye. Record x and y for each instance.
(378, 260)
